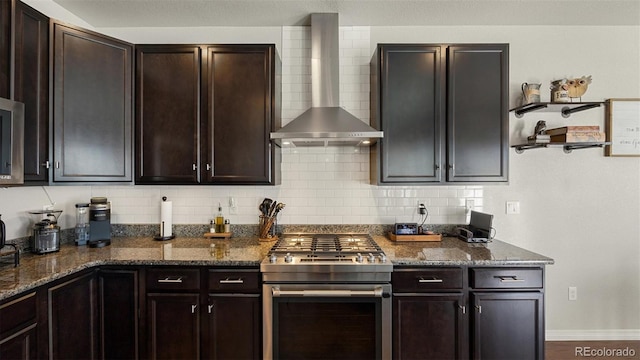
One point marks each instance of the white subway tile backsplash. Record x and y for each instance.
(319, 185)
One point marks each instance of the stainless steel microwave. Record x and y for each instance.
(11, 142)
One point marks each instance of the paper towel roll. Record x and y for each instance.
(166, 214)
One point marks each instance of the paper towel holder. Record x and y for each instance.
(161, 236)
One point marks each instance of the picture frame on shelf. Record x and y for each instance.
(622, 127)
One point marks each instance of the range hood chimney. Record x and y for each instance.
(325, 123)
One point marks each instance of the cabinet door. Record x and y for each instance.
(31, 86)
(173, 326)
(429, 326)
(92, 114)
(73, 318)
(477, 114)
(240, 98)
(5, 48)
(167, 114)
(118, 294)
(508, 325)
(410, 90)
(20, 345)
(233, 327)
(18, 328)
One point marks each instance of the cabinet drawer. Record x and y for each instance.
(426, 279)
(18, 312)
(503, 278)
(173, 279)
(234, 281)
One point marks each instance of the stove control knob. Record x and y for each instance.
(288, 258)
(371, 258)
(359, 258)
(273, 258)
(383, 258)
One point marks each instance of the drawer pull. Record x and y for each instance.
(432, 280)
(509, 279)
(232, 281)
(169, 280)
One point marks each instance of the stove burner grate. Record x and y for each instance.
(325, 244)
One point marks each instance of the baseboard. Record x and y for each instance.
(592, 335)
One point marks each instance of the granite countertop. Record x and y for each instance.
(35, 270)
(454, 252)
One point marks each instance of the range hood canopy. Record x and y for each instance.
(325, 123)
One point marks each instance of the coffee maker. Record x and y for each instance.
(99, 222)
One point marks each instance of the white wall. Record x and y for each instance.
(582, 209)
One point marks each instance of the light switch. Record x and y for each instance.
(513, 207)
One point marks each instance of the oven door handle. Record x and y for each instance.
(376, 292)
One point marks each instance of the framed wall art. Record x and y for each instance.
(623, 127)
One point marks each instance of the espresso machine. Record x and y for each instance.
(99, 222)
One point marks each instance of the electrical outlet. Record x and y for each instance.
(469, 205)
(512, 207)
(422, 210)
(233, 206)
(573, 293)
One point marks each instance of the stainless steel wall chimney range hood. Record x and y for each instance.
(325, 123)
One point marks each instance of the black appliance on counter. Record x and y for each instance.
(3, 241)
(313, 285)
(99, 222)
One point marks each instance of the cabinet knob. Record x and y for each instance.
(210, 308)
(450, 166)
(193, 308)
(437, 167)
(194, 166)
(208, 167)
(46, 164)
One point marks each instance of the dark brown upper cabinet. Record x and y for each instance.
(240, 112)
(204, 114)
(444, 112)
(92, 112)
(478, 113)
(5, 48)
(31, 87)
(167, 114)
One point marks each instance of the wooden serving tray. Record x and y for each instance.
(432, 237)
(218, 235)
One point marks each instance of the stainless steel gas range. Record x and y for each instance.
(326, 296)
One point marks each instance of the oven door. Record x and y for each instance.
(326, 321)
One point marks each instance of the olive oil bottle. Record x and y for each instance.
(219, 220)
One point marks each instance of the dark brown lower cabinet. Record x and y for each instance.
(118, 295)
(18, 328)
(72, 318)
(429, 326)
(173, 325)
(186, 319)
(487, 313)
(508, 325)
(233, 326)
